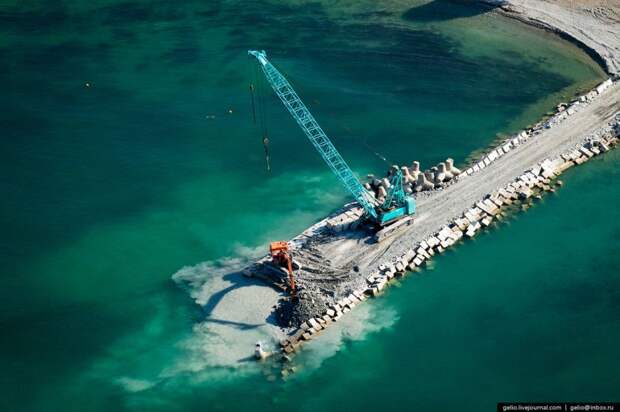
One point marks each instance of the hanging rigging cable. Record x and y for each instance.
(261, 114)
(253, 107)
(365, 143)
(266, 147)
(261, 111)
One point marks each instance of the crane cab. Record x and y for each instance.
(389, 216)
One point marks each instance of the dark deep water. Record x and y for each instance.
(109, 189)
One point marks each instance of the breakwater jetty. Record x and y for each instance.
(340, 265)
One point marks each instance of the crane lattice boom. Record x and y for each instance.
(315, 134)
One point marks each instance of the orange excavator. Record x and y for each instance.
(281, 257)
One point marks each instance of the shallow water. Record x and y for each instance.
(110, 189)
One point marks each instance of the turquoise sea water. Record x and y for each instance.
(109, 189)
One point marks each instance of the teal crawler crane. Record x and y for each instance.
(397, 204)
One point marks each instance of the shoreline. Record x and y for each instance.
(574, 26)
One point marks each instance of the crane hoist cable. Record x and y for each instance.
(261, 114)
(400, 205)
(253, 105)
(376, 153)
(263, 119)
(267, 158)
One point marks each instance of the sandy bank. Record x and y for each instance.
(593, 24)
(238, 312)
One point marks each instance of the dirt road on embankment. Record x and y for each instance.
(438, 208)
(336, 264)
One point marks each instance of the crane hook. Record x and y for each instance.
(266, 147)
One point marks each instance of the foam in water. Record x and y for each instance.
(217, 349)
(234, 324)
(238, 310)
(355, 326)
